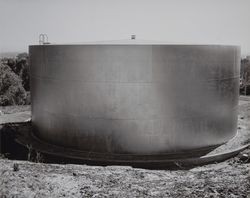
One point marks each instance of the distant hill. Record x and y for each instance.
(9, 54)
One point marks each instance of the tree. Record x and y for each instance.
(245, 76)
(20, 66)
(11, 89)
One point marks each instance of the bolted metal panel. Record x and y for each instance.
(134, 99)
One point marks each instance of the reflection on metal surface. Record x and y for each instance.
(134, 100)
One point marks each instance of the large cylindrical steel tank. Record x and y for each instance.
(128, 101)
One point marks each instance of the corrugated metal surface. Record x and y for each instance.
(134, 99)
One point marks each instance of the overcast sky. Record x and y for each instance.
(173, 21)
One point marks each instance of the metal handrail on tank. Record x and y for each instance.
(43, 39)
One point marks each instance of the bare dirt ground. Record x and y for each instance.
(227, 179)
(14, 109)
(14, 114)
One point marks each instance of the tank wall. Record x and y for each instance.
(134, 99)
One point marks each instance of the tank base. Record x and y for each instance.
(180, 160)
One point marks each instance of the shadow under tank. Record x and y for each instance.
(128, 102)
